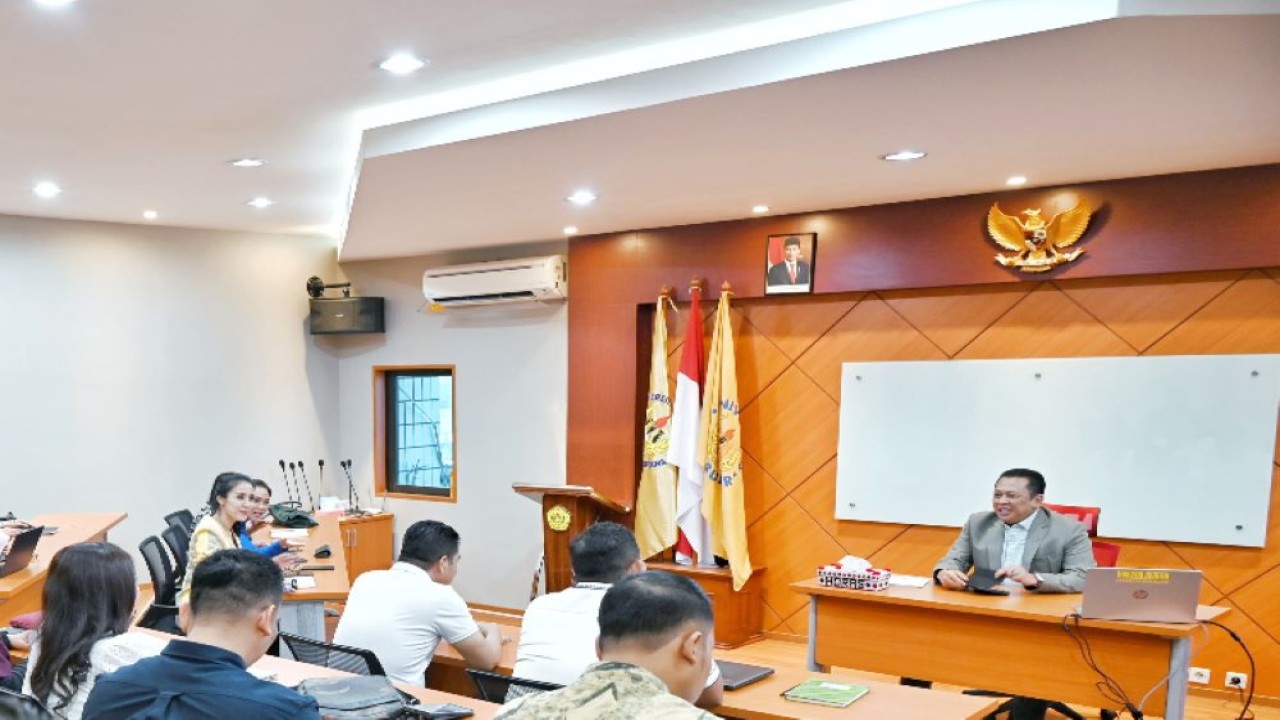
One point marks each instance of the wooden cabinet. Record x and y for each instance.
(368, 543)
(739, 615)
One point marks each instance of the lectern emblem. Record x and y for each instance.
(558, 518)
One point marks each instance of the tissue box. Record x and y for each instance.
(836, 576)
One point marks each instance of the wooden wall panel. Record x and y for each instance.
(938, 296)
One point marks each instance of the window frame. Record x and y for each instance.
(383, 433)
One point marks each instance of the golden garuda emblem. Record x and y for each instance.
(1036, 244)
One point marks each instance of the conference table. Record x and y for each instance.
(22, 591)
(303, 610)
(292, 672)
(1014, 644)
(761, 700)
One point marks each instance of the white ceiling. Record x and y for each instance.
(674, 112)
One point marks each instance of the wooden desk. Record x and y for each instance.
(763, 700)
(1012, 644)
(291, 672)
(303, 610)
(21, 592)
(448, 670)
(758, 701)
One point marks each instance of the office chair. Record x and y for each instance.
(16, 706)
(1088, 516)
(179, 542)
(162, 614)
(493, 687)
(338, 657)
(183, 518)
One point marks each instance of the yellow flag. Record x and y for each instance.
(720, 451)
(656, 499)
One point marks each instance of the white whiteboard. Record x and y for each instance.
(1171, 448)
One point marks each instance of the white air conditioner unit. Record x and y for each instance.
(505, 281)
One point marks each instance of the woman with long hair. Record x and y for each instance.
(89, 595)
(279, 551)
(228, 509)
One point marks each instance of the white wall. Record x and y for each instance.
(511, 394)
(137, 362)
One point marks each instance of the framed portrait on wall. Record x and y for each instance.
(789, 263)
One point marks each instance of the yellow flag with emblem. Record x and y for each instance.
(720, 451)
(656, 499)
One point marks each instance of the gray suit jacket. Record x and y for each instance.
(1058, 549)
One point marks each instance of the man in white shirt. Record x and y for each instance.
(559, 631)
(401, 614)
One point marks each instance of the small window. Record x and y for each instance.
(414, 432)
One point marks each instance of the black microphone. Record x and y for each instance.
(285, 475)
(297, 485)
(310, 498)
(320, 462)
(353, 498)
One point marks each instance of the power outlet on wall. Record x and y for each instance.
(1199, 676)
(1237, 680)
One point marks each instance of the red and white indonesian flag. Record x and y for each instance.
(656, 499)
(695, 535)
(723, 501)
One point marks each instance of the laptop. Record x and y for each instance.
(21, 550)
(1142, 594)
(736, 675)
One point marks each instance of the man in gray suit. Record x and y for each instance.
(1024, 543)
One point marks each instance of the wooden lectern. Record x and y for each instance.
(566, 511)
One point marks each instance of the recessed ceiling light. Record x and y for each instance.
(47, 190)
(54, 3)
(248, 162)
(1016, 180)
(758, 209)
(570, 230)
(402, 64)
(904, 155)
(150, 214)
(582, 197)
(262, 202)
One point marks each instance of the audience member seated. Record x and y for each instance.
(89, 596)
(401, 614)
(656, 635)
(224, 515)
(260, 517)
(235, 604)
(559, 631)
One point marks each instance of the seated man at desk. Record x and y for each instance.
(559, 632)
(656, 635)
(235, 604)
(1024, 543)
(401, 614)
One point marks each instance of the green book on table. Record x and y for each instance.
(826, 692)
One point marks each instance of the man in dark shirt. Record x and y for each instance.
(235, 600)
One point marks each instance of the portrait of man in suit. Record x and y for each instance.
(788, 269)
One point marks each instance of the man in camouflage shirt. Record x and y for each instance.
(656, 636)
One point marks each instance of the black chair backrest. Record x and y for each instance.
(493, 687)
(163, 579)
(182, 518)
(338, 657)
(163, 618)
(16, 706)
(179, 542)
